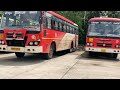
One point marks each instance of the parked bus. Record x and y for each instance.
(103, 36)
(37, 32)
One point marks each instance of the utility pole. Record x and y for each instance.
(85, 13)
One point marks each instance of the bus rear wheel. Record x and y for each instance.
(71, 48)
(19, 55)
(50, 54)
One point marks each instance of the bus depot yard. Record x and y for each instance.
(45, 45)
(75, 65)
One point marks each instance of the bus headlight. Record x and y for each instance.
(36, 43)
(88, 44)
(91, 44)
(117, 46)
(31, 43)
(2, 42)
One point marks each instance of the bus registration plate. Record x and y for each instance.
(103, 50)
(15, 49)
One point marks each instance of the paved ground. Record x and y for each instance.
(76, 65)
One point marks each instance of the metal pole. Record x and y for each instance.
(84, 16)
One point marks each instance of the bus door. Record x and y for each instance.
(75, 37)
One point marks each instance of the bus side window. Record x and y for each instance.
(68, 29)
(60, 26)
(49, 23)
(56, 25)
(64, 28)
(73, 30)
(52, 24)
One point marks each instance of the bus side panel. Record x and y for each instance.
(68, 38)
(51, 36)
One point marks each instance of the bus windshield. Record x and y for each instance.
(20, 19)
(104, 28)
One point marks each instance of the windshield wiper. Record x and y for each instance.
(16, 25)
(113, 35)
(94, 34)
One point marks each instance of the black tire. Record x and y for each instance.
(50, 54)
(114, 55)
(91, 54)
(19, 55)
(71, 49)
(74, 49)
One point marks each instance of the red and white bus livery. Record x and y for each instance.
(37, 32)
(103, 36)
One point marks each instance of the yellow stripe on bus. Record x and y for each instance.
(52, 38)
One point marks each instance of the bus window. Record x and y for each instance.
(49, 23)
(73, 31)
(60, 26)
(52, 24)
(56, 25)
(64, 28)
(68, 29)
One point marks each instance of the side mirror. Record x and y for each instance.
(40, 19)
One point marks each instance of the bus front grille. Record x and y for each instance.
(20, 43)
(16, 43)
(104, 45)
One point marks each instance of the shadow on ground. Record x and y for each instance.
(27, 60)
(1, 52)
(98, 57)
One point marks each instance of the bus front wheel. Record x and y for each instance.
(91, 54)
(19, 55)
(50, 54)
(115, 55)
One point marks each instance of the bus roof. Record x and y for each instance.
(104, 19)
(61, 17)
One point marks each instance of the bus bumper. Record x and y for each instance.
(103, 50)
(26, 49)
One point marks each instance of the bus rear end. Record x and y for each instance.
(103, 36)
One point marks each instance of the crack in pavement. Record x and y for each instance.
(71, 67)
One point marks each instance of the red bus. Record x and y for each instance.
(103, 36)
(37, 32)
